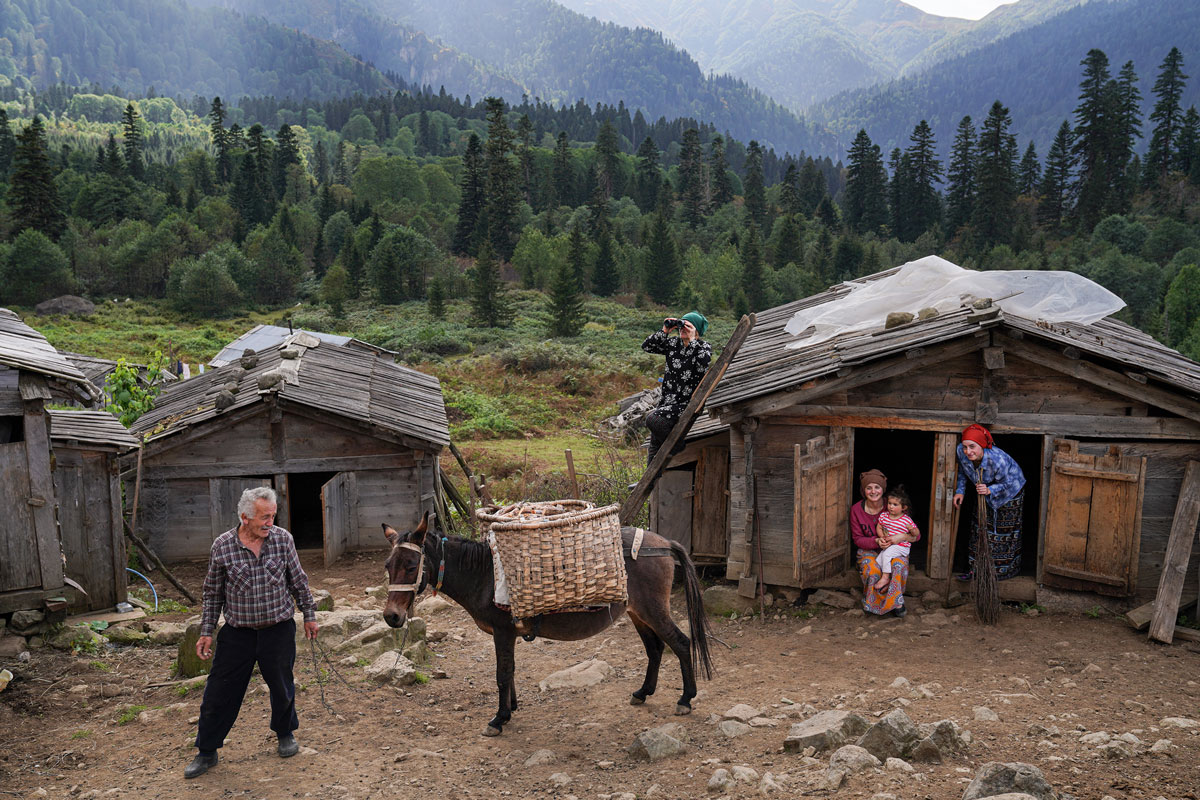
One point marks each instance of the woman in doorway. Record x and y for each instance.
(1000, 485)
(864, 519)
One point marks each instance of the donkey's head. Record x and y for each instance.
(405, 567)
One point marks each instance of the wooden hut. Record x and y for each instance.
(347, 438)
(87, 446)
(32, 373)
(1102, 419)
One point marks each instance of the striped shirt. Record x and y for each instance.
(893, 525)
(255, 591)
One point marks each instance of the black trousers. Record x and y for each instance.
(274, 649)
(660, 426)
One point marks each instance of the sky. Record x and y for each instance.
(967, 9)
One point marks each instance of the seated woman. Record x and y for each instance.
(998, 480)
(864, 522)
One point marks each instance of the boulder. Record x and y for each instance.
(742, 712)
(744, 774)
(541, 757)
(11, 646)
(166, 633)
(985, 714)
(825, 731)
(655, 745)
(324, 599)
(25, 620)
(732, 728)
(721, 781)
(126, 636)
(894, 736)
(946, 736)
(392, 667)
(586, 673)
(65, 304)
(77, 637)
(1178, 722)
(431, 606)
(851, 758)
(998, 778)
(187, 663)
(723, 600)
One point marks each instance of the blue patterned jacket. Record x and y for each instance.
(1001, 474)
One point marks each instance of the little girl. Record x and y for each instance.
(894, 534)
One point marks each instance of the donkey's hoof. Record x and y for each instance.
(490, 731)
(634, 700)
(682, 710)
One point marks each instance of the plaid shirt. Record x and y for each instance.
(255, 592)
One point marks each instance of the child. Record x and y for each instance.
(895, 534)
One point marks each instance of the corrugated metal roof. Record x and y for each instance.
(261, 338)
(24, 348)
(96, 427)
(348, 382)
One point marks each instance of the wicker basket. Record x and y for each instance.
(558, 555)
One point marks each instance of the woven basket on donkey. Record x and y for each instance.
(558, 555)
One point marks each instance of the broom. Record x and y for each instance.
(987, 593)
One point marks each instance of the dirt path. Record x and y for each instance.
(61, 732)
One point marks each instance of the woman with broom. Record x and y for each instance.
(1000, 484)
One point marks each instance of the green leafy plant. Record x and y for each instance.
(129, 394)
(129, 714)
(420, 678)
(362, 662)
(100, 665)
(1095, 612)
(82, 733)
(1026, 607)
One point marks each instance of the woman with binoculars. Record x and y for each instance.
(688, 357)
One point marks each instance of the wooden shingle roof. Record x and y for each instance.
(354, 384)
(23, 348)
(90, 427)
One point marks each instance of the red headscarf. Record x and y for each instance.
(979, 435)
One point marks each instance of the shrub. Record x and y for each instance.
(538, 357)
(203, 286)
(34, 270)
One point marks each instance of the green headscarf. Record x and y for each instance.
(697, 319)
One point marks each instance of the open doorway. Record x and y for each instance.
(304, 508)
(1027, 452)
(905, 457)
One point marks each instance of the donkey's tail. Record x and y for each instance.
(697, 619)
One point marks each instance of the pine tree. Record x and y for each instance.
(8, 145)
(422, 144)
(1029, 173)
(1167, 117)
(608, 160)
(1095, 130)
(827, 213)
(1056, 179)
(755, 186)
(32, 195)
(812, 187)
(287, 152)
(753, 280)
(787, 247)
(691, 179)
(1128, 102)
(864, 203)
(471, 203)
(924, 170)
(335, 290)
(663, 270)
(565, 303)
(340, 172)
(789, 191)
(132, 143)
(995, 207)
(437, 298)
(648, 176)
(220, 140)
(577, 257)
(563, 174)
(960, 194)
(901, 196)
(503, 193)
(1188, 141)
(525, 156)
(114, 163)
(490, 306)
(322, 157)
(605, 279)
(720, 187)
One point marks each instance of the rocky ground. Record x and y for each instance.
(818, 701)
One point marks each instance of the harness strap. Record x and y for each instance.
(414, 587)
(638, 535)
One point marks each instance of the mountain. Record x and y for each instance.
(177, 49)
(1035, 72)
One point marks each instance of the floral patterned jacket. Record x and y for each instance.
(686, 365)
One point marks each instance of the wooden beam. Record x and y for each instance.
(247, 468)
(1175, 562)
(633, 503)
(42, 499)
(1105, 378)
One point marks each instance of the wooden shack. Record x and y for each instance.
(347, 438)
(32, 374)
(1102, 419)
(690, 501)
(87, 446)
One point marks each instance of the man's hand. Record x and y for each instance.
(310, 630)
(204, 647)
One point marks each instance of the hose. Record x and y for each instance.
(148, 583)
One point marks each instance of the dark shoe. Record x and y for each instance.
(288, 746)
(900, 612)
(199, 765)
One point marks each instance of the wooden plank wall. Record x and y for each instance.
(19, 566)
(95, 552)
(390, 496)
(188, 531)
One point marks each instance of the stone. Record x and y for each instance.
(931, 599)
(77, 637)
(769, 784)
(940, 738)
(897, 318)
(722, 600)
(763, 722)
(1117, 749)
(655, 745)
(721, 781)
(25, 620)
(985, 714)
(929, 312)
(166, 633)
(937, 619)
(378, 592)
(187, 663)
(586, 673)
(11, 646)
(432, 606)
(540, 757)
(68, 304)
(392, 667)
(891, 737)
(1178, 722)
(897, 765)
(560, 778)
(126, 636)
(926, 752)
(833, 599)
(732, 728)
(825, 731)
(900, 683)
(324, 599)
(1095, 738)
(833, 780)
(1162, 746)
(742, 712)
(996, 778)
(745, 775)
(851, 759)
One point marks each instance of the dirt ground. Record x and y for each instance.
(1036, 673)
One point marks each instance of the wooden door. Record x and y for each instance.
(820, 522)
(1093, 520)
(710, 504)
(94, 552)
(337, 512)
(943, 516)
(674, 505)
(19, 563)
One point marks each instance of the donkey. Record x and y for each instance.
(463, 570)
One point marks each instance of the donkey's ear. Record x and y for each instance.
(418, 534)
(389, 533)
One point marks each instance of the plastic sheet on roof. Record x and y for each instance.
(934, 282)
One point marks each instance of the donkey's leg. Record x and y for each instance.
(654, 651)
(504, 640)
(512, 685)
(681, 646)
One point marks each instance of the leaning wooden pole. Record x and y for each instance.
(633, 503)
(145, 548)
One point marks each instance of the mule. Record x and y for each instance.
(462, 569)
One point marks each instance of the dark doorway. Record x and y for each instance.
(304, 508)
(1027, 452)
(906, 458)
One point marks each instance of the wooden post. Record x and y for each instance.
(571, 474)
(462, 462)
(1175, 562)
(633, 503)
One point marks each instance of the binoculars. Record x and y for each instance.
(671, 322)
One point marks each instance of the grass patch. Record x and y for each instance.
(362, 662)
(165, 604)
(129, 714)
(420, 678)
(82, 733)
(100, 665)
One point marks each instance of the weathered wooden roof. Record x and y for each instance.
(90, 427)
(265, 337)
(765, 364)
(97, 369)
(25, 349)
(354, 384)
